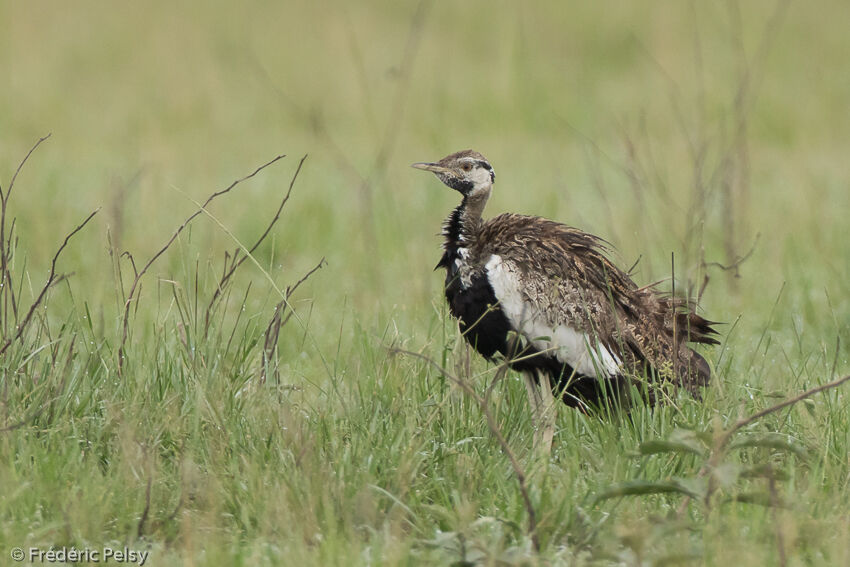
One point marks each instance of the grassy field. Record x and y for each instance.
(228, 428)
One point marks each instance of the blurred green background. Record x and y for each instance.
(716, 132)
(193, 95)
(567, 101)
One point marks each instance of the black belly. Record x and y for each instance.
(482, 321)
(485, 327)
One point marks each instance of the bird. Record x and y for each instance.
(547, 299)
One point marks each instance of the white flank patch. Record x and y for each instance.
(570, 346)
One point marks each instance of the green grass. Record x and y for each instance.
(620, 119)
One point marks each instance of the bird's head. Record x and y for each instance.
(467, 172)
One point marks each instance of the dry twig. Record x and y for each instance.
(132, 296)
(51, 279)
(237, 261)
(722, 440)
(273, 329)
(6, 245)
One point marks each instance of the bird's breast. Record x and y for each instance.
(472, 302)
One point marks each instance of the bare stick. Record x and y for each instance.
(723, 439)
(6, 241)
(519, 473)
(234, 264)
(140, 529)
(743, 422)
(5, 197)
(50, 281)
(132, 295)
(273, 329)
(291, 289)
(737, 263)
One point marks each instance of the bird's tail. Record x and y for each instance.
(691, 368)
(689, 327)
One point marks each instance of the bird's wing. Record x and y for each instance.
(552, 318)
(559, 290)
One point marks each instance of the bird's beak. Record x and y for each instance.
(436, 168)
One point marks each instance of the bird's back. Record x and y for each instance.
(562, 276)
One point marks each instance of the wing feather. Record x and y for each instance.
(556, 282)
(562, 338)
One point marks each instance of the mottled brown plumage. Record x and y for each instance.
(566, 275)
(580, 320)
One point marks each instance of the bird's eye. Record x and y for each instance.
(466, 167)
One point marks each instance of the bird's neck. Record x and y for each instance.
(463, 222)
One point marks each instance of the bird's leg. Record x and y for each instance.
(547, 414)
(542, 403)
(534, 401)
